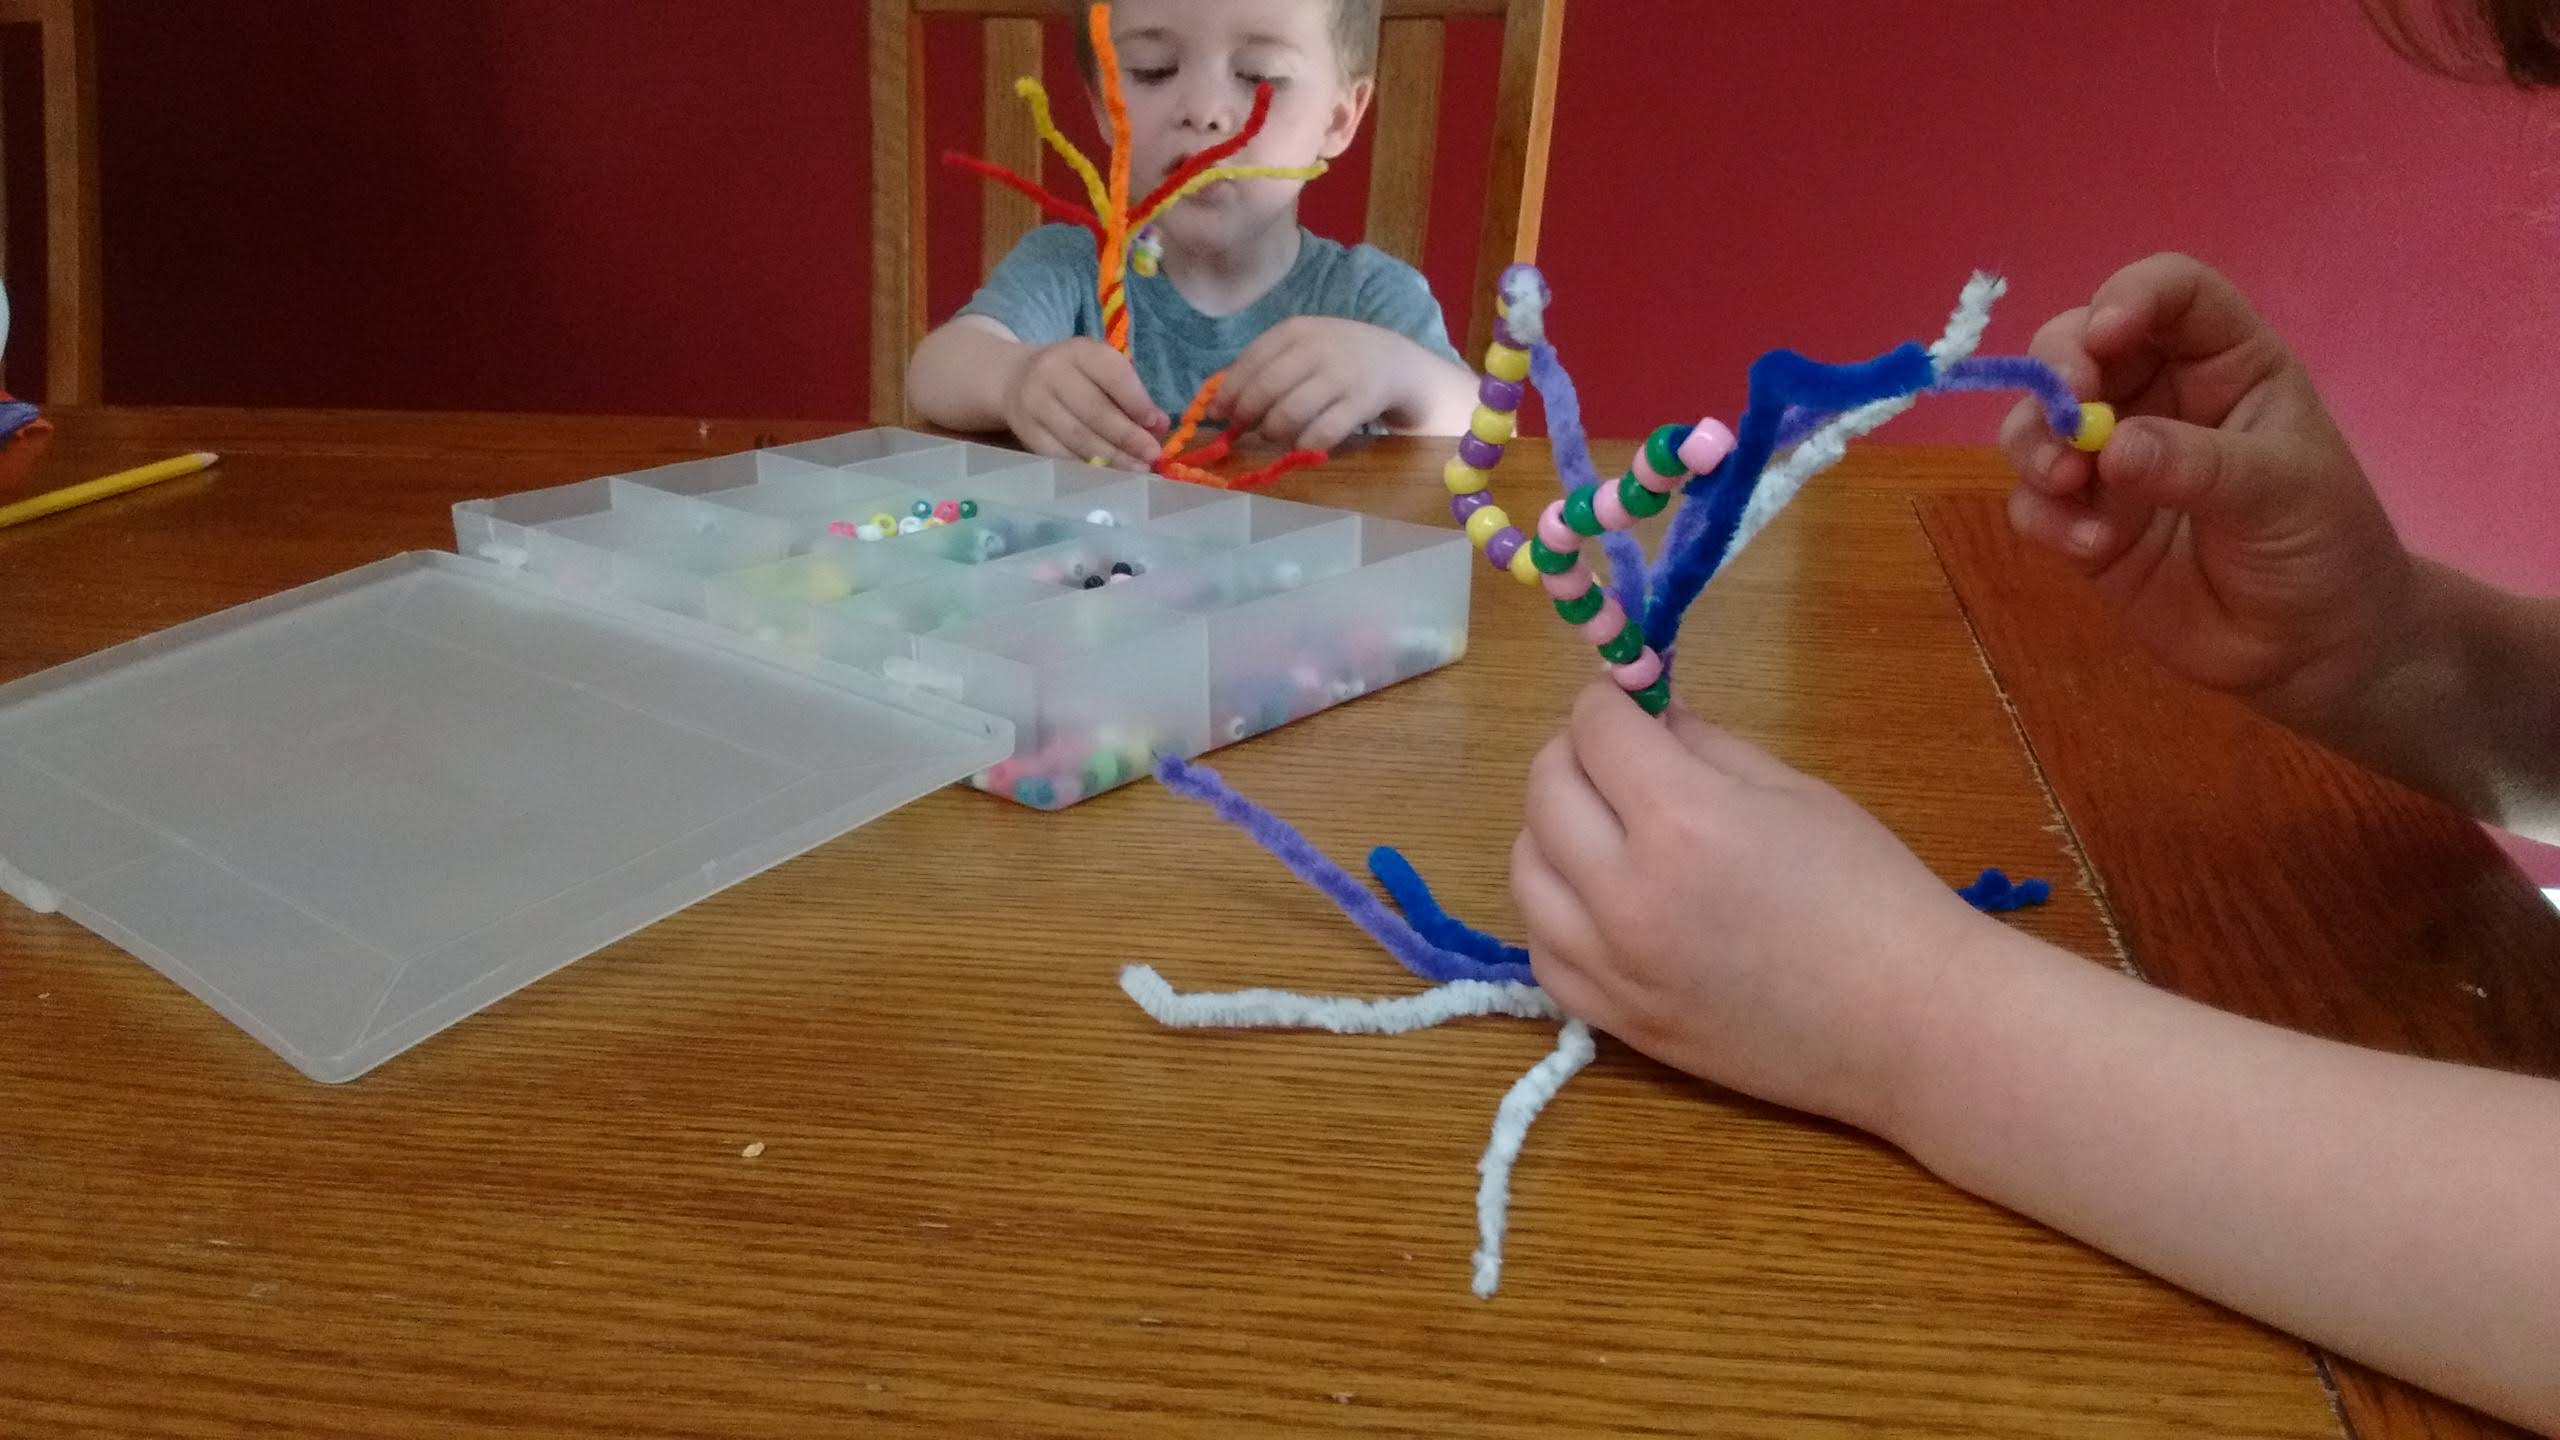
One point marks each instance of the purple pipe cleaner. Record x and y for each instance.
(2017, 372)
(1199, 782)
(1565, 435)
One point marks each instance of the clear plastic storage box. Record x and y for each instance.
(353, 814)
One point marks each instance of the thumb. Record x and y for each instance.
(2213, 474)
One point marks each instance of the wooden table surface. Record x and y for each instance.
(995, 1199)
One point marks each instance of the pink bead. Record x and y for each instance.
(1606, 509)
(1639, 672)
(1602, 628)
(1650, 479)
(947, 512)
(844, 528)
(1569, 585)
(1552, 529)
(1706, 446)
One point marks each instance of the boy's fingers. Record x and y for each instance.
(1625, 751)
(1258, 390)
(1112, 373)
(1338, 423)
(1083, 442)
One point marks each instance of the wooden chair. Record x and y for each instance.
(1406, 115)
(75, 315)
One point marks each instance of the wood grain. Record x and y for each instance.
(74, 251)
(897, 203)
(2255, 871)
(993, 1198)
(1407, 129)
(1010, 49)
(1516, 169)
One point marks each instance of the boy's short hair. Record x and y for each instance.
(1355, 38)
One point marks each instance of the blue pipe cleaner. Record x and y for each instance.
(1199, 782)
(1705, 526)
(1995, 894)
(1406, 887)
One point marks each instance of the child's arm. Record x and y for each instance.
(1311, 382)
(2233, 532)
(2467, 705)
(2399, 1211)
(1077, 400)
(2395, 1210)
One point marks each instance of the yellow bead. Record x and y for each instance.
(1503, 362)
(1524, 568)
(1486, 523)
(1463, 478)
(2097, 422)
(1493, 427)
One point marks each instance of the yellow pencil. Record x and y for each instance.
(54, 501)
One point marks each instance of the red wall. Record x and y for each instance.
(659, 205)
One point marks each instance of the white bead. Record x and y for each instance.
(869, 531)
(1101, 517)
(910, 525)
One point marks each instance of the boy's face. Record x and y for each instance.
(1189, 69)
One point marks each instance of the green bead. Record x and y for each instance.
(968, 509)
(922, 510)
(1550, 562)
(1639, 502)
(1624, 646)
(1578, 513)
(1662, 451)
(1583, 606)
(1656, 697)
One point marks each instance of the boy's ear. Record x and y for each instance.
(1343, 125)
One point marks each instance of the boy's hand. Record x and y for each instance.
(1082, 400)
(2226, 522)
(1310, 382)
(1693, 896)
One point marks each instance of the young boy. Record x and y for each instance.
(1680, 885)
(1320, 342)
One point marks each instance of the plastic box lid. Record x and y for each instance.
(353, 814)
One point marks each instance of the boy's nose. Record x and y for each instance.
(1206, 109)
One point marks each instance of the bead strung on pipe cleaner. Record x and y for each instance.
(1123, 234)
(1791, 397)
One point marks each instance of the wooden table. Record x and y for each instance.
(994, 1199)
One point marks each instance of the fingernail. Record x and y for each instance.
(2047, 456)
(2108, 317)
(2086, 533)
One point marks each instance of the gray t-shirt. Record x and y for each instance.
(1043, 293)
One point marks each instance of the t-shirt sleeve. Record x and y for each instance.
(1393, 296)
(1038, 290)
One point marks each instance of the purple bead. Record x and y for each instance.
(1462, 506)
(1478, 453)
(1502, 334)
(1499, 550)
(1502, 395)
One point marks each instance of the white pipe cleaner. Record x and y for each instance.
(1528, 1095)
(1348, 1015)
(1824, 447)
